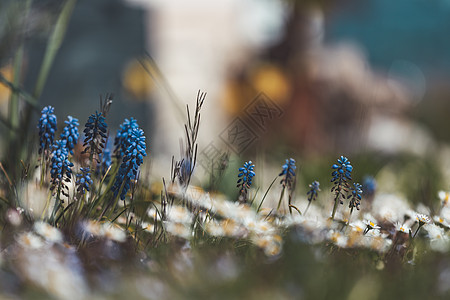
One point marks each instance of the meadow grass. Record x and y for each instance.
(82, 218)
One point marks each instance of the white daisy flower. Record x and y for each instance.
(402, 227)
(30, 240)
(48, 232)
(423, 219)
(113, 232)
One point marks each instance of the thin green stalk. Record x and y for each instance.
(291, 206)
(100, 198)
(281, 198)
(16, 89)
(417, 230)
(99, 190)
(53, 45)
(57, 204)
(290, 203)
(47, 204)
(158, 77)
(13, 109)
(115, 199)
(254, 197)
(350, 215)
(307, 207)
(264, 197)
(43, 168)
(336, 199)
(17, 69)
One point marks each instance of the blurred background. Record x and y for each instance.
(345, 77)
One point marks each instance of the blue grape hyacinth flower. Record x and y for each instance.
(288, 171)
(132, 159)
(343, 170)
(369, 186)
(60, 165)
(342, 174)
(121, 141)
(355, 196)
(84, 180)
(95, 134)
(70, 133)
(47, 128)
(245, 179)
(314, 189)
(246, 175)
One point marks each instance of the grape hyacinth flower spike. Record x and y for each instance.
(342, 174)
(288, 181)
(60, 172)
(47, 129)
(133, 158)
(70, 133)
(60, 165)
(355, 198)
(314, 189)
(95, 135)
(84, 180)
(288, 172)
(245, 178)
(122, 139)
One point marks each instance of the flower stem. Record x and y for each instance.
(417, 230)
(281, 198)
(349, 216)
(336, 200)
(309, 203)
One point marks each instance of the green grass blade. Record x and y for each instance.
(53, 45)
(265, 194)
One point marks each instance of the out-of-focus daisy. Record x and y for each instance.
(214, 228)
(373, 233)
(434, 232)
(55, 270)
(358, 226)
(444, 197)
(179, 214)
(122, 220)
(30, 240)
(439, 241)
(261, 227)
(338, 238)
(178, 229)
(380, 244)
(423, 219)
(91, 228)
(402, 227)
(48, 232)
(445, 213)
(271, 244)
(389, 207)
(113, 232)
(441, 221)
(148, 227)
(370, 226)
(232, 229)
(355, 237)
